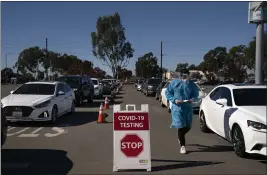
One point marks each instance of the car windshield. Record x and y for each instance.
(140, 81)
(36, 89)
(95, 82)
(154, 81)
(250, 97)
(73, 82)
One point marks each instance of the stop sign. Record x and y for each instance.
(132, 145)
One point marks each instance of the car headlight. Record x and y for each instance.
(150, 87)
(75, 89)
(43, 104)
(256, 125)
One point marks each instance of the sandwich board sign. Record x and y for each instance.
(131, 138)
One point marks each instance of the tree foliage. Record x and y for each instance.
(146, 66)
(110, 44)
(31, 59)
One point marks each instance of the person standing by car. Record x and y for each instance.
(182, 92)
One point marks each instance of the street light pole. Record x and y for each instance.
(259, 61)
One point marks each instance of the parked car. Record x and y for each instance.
(159, 88)
(238, 114)
(139, 84)
(4, 126)
(112, 83)
(39, 101)
(98, 88)
(82, 86)
(164, 101)
(151, 85)
(106, 88)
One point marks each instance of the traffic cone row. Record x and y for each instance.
(101, 116)
(106, 103)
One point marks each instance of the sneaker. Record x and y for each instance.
(183, 150)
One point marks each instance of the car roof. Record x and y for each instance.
(242, 86)
(43, 82)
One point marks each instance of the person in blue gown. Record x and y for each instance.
(182, 93)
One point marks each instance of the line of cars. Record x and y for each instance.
(157, 88)
(47, 101)
(236, 112)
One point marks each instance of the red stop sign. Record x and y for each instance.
(132, 145)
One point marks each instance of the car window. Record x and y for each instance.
(215, 94)
(226, 93)
(256, 96)
(66, 88)
(60, 87)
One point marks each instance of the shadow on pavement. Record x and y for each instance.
(35, 161)
(96, 104)
(213, 148)
(260, 158)
(180, 164)
(76, 119)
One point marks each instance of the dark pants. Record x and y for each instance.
(181, 135)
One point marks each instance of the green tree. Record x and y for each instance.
(235, 63)
(146, 66)
(110, 44)
(29, 60)
(181, 66)
(192, 67)
(250, 54)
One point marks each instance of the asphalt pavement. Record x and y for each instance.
(78, 145)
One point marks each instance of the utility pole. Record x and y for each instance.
(46, 49)
(257, 15)
(6, 60)
(161, 59)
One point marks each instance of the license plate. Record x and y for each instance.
(17, 114)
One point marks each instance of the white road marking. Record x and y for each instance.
(58, 130)
(32, 134)
(18, 132)
(10, 128)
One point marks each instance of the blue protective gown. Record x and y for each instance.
(182, 114)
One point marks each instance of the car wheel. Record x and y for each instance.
(156, 97)
(238, 141)
(91, 98)
(54, 115)
(72, 110)
(203, 125)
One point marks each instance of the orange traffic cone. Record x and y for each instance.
(101, 117)
(106, 103)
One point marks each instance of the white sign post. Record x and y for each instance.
(131, 138)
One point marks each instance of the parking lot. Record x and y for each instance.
(76, 144)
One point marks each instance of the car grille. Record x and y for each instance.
(26, 111)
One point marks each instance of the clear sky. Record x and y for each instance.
(188, 29)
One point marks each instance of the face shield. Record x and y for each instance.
(185, 76)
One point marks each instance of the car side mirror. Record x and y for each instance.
(11, 92)
(60, 93)
(222, 101)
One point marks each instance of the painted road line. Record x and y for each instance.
(10, 128)
(18, 132)
(58, 130)
(32, 134)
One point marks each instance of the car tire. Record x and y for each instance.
(91, 98)
(72, 109)
(238, 141)
(202, 123)
(54, 115)
(79, 101)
